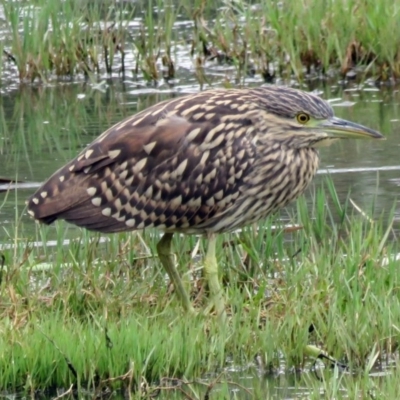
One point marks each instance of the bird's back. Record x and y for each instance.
(193, 164)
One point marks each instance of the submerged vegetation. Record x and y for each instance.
(142, 39)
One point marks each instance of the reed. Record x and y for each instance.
(303, 39)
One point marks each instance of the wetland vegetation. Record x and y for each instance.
(94, 314)
(140, 39)
(97, 313)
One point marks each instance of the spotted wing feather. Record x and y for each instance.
(177, 166)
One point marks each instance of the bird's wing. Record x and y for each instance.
(174, 166)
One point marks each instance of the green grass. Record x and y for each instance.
(63, 38)
(267, 38)
(99, 315)
(304, 36)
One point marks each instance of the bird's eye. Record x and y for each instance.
(302, 118)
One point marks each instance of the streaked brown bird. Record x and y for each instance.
(204, 163)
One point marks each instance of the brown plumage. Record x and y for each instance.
(203, 163)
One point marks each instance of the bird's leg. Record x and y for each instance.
(164, 254)
(211, 272)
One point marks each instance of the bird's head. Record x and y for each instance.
(299, 119)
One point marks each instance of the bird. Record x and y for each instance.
(203, 164)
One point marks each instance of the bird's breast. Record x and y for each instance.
(280, 175)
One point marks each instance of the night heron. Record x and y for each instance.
(203, 163)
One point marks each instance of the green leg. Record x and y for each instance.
(164, 253)
(211, 272)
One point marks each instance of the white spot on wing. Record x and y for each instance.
(199, 179)
(129, 181)
(123, 174)
(190, 110)
(240, 155)
(139, 120)
(181, 167)
(219, 195)
(149, 147)
(176, 202)
(210, 176)
(118, 204)
(193, 134)
(210, 202)
(35, 200)
(123, 123)
(88, 153)
(91, 191)
(43, 194)
(198, 115)
(61, 178)
(213, 131)
(109, 194)
(149, 192)
(96, 201)
(204, 157)
(139, 165)
(106, 212)
(216, 142)
(195, 202)
(114, 153)
(130, 223)
(239, 174)
(210, 115)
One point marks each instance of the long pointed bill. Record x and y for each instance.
(342, 129)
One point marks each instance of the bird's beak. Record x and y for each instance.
(342, 129)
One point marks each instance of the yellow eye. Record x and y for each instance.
(302, 118)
